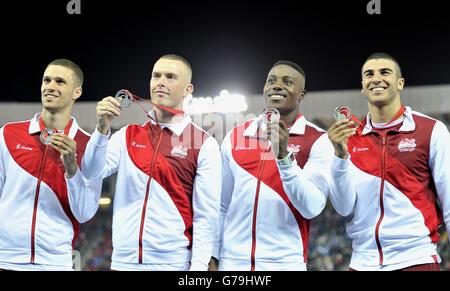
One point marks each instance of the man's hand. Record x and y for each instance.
(213, 264)
(67, 148)
(338, 134)
(278, 134)
(107, 109)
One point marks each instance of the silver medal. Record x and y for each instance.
(342, 112)
(271, 115)
(124, 97)
(46, 134)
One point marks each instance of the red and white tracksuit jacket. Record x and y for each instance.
(391, 186)
(167, 199)
(39, 208)
(266, 208)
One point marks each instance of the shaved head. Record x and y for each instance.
(183, 60)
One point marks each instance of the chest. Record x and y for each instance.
(162, 151)
(375, 154)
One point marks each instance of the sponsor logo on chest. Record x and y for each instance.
(136, 145)
(22, 147)
(360, 149)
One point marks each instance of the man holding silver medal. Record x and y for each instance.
(43, 195)
(275, 180)
(391, 173)
(167, 199)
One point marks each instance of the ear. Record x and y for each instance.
(77, 93)
(400, 83)
(302, 95)
(188, 90)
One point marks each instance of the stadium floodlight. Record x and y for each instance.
(105, 201)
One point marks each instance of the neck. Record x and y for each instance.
(289, 118)
(166, 117)
(384, 114)
(58, 120)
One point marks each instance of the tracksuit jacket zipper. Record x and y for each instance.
(255, 211)
(383, 173)
(144, 207)
(36, 202)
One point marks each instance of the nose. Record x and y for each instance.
(278, 85)
(162, 82)
(376, 78)
(49, 87)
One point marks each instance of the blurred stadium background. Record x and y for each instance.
(330, 248)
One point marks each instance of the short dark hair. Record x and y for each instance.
(386, 56)
(178, 58)
(292, 65)
(78, 73)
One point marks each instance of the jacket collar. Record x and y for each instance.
(176, 128)
(407, 125)
(35, 126)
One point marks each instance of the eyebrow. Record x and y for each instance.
(55, 78)
(164, 73)
(282, 77)
(382, 69)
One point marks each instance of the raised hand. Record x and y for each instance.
(338, 134)
(278, 134)
(107, 109)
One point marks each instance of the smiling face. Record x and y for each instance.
(381, 82)
(59, 89)
(170, 83)
(284, 89)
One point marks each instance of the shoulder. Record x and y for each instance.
(423, 120)
(312, 128)
(314, 133)
(16, 125)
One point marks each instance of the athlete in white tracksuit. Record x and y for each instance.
(43, 196)
(167, 198)
(271, 191)
(392, 177)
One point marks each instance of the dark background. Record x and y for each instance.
(230, 44)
